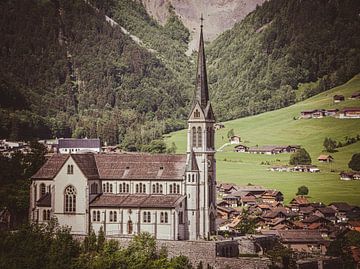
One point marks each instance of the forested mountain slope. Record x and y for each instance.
(257, 66)
(66, 72)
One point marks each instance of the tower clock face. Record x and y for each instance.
(209, 162)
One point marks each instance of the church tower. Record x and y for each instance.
(201, 193)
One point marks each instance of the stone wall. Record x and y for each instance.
(206, 252)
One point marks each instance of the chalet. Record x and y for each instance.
(325, 158)
(350, 113)
(342, 210)
(355, 95)
(331, 112)
(306, 168)
(350, 175)
(269, 150)
(327, 213)
(227, 188)
(338, 98)
(280, 168)
(226, 212)
(298, 202)
(272, 196)
(316, 114)
(310, 241)
(234, 201)
(306, 211)
(257, 191)
(248, 200)
(218, 126)
(223, 204)
(241, 148)
(235, 139)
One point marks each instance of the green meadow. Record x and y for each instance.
(282, 127)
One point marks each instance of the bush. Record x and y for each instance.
(301, 157)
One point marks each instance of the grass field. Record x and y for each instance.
(280, 128)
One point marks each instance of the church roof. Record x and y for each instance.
(50, 169)
(137, 200)
(192, 163)
(119, 166)
(141, 166)
(201, 91)
(45, 200)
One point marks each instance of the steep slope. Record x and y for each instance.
(278, 128)
(219, 15)
(257, 65)
(66, 71)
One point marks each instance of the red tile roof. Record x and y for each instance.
(137, 201)
(50, 169)
(301, 236)
(119, 166)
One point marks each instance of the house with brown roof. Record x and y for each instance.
(272, 196)
(241, 148)
(338, 98)
(355, 95)
(172, 197)
(235, 139)
(350, 113)
(325, 158)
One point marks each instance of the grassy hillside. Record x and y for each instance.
(257, 65)
(279, 127)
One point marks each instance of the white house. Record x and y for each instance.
(73, 145)
(170, 196)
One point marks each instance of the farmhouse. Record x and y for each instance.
(349, 175)
(173, 197)
(218, 126)
(272, 196)
(338, 98)
(325, 158)
(235, 139)
(241, 148)
(355, 95)
(350, 113)
(270, 150)
(316, 114)
(306, 168)
(331, 112)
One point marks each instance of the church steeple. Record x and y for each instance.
(201, 90)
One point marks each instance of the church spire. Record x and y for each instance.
(201, 91)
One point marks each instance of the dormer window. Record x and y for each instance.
(70, 169)
(197, 114)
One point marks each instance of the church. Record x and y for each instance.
(172, 197)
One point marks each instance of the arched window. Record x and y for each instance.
(120, 188)
(178, 188)
(42, 189)
(137, 188)
(127, 188)
(157, 188)
(70, 199)
(144, 188)
(162, 217)
(44, 215)
(98, 215)
(144, 216)
(103, 190)
(166, 217)
(111, 218)
(193, 136)
(115, 216)
(161, 188)
(154, 188)
(70, 169)
(170, 189)
(111, 187)
(94, 216)
(193, 178)
(130, 227)
(199, 144)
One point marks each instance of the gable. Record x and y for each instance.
(196, 113)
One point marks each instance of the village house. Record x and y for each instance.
(257, 191)
(350, 113)
(171, 196)
(241, 148)
(74, 146)
(354, 225)
(270, 150)
(325, 158)
(218, 126)
(350, 175)
(316, 114)
(326, 212)
(355, 95)
(338, 98)
(226, 188)
(272, 196)
(308, 241)
(306, 168)
(297, 202)
(331, 112)
(235, 139)
(232, 200)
